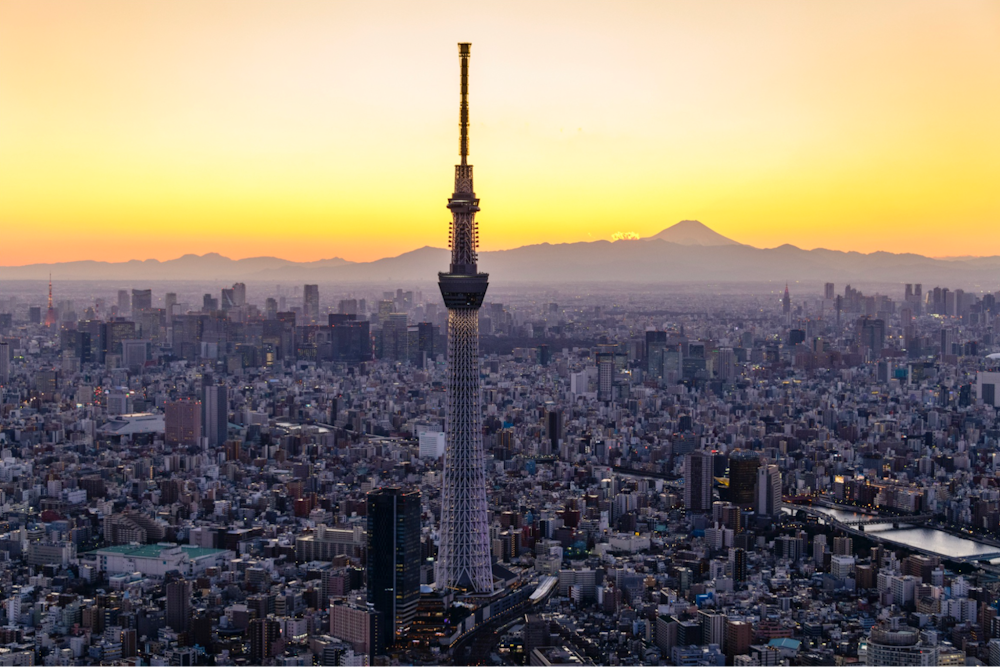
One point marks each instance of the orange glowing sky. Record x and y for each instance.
(315, 128)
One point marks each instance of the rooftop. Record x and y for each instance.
(154, 550)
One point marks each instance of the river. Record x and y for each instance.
(929, 539)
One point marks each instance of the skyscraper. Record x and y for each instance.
(464, 553)
(743, 466)
(263, 633)
(394, 556)
(310, 304)
(178, 614)
(768, 490)
(4, 363)
(142, 299)
(698, 482)
(215, 413)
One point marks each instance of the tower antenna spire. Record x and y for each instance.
(463, 109)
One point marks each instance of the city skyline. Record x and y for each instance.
(258, 130)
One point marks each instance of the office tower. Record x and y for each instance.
(554, 429)
(209, 303)
(263, 634)
(348, 307)
(395, 338)
(122, 302)
(464, 553)
(50, 314)
(215, 412)
(698, 482)
(178, 614)
(828, 291)
(871, 334)
(394, 557)
(890, 643)
(656, 343)
(142, 299)
(743, 466)
(182, 422)
(739, 564)
(4, 363)
(725, 366)
(786, 303)
(228, 298)
(768, 490)
(425, 340)
(843, 546)
(544, 355)
(169, 301)
(239, 294)
(605, 375)
(310, 304)
(819, 550)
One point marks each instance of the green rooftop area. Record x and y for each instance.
(153, 550)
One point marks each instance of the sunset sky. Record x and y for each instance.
(313, 129)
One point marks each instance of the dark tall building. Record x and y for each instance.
(215, 413)
(263, 635)
(142, 299)
(739, 565)
(656, 343)
(871, 333)
(350, 339)
(743, 466)
(310, 304)
(698, 482)
(394, 556)
(178, 614)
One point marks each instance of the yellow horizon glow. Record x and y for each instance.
(132, 129)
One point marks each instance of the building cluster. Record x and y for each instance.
(691, 479)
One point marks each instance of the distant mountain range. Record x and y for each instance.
(686, 252)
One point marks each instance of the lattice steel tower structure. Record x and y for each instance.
(464, 554)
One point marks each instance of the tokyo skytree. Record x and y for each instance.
(464, 554)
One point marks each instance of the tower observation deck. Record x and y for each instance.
(464, 553)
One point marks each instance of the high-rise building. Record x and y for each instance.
(464, 554)
(605, 375)
(215, 412)
(843, 546)
(395, 339)
(182, 422)
(768, 490)
(142, 299)
(359, 626)
(4, 363)
(698, 482)
(786, 303)
(656, 343)
(310, 304)
(828, 292)
(263, 635)
(739, 564)
(169, 301)
(178, 614)
(890, 643)
(394, 557)
(743, 466)
(122, 302)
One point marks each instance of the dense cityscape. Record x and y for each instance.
(471, 470)
(695, 478)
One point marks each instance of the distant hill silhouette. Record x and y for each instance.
(687, 252)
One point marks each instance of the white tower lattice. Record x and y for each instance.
(464, 552)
